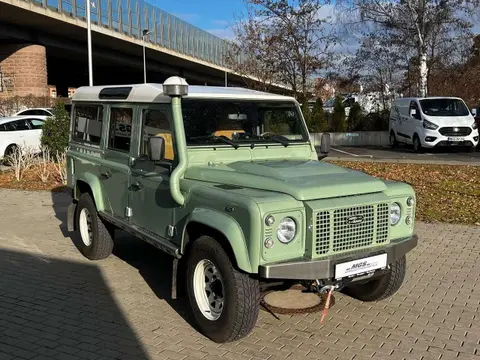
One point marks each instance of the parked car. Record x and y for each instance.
(20, 131)
(228, 181)
(432, 122)
(43, 112)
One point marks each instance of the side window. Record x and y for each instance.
(88, 123)
(3, 127)
(120, 134)
(157, 122)
(414, 106)
(35, 124)
(19, 125)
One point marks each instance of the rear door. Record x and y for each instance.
(115, 170)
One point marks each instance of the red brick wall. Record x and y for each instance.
(24, 70)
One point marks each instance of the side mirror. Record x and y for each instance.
(413, 113)
(156, 148)
(474, 112)
(324, 146)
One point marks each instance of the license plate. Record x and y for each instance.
(360, 266)
(456, 139)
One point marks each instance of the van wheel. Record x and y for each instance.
(224, 301)
(472, 149)
(393, 140)
(417, 145)
(96, 236)
(383, 287)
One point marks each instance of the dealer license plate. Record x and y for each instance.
(456, 139)
(360, 266)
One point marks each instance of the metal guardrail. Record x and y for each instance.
(131, 17)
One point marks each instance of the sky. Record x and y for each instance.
(215, 16)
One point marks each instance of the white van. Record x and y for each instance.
(432, 122)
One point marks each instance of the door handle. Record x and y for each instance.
(136, 186)
(106, 174)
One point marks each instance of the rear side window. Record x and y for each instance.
(120, 129)
(88, 123)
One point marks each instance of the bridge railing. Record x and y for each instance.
(131, 17)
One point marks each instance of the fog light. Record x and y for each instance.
(269, 220)
(408, 220)
(475, 138)
(410, 201)
(268, 243)
(430, 139)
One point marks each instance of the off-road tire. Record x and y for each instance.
(102, 233)
(383, 287)
(241, 294)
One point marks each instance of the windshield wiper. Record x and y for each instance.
(221, 138)
(279, 139)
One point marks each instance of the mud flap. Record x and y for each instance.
(71, 216)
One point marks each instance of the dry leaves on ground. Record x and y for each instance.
(445, 193)
(32, 178)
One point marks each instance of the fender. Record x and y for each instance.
(226, 225)
(96, 186)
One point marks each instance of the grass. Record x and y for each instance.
(445, 193)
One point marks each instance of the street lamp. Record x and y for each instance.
(89, 41)
(145, 32)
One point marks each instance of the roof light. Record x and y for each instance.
(175, 86)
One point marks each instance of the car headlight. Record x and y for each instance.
(287, 229)
(429, 125)
(474, 125)
(395, 213)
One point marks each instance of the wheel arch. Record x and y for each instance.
(221, 227)
(91, 184)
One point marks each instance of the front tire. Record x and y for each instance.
(96, 236)
(417, 145)
(224, 301)
(393, 140)
(383, 287)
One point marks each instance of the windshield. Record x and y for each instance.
(444, 107)
(239, 122)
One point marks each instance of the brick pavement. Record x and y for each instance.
(54, 304)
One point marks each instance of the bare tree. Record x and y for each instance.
(417, 24)
(288, 41)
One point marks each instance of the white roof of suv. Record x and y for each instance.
(153, 93)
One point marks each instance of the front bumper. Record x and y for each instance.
(435, 139)
(305, 269)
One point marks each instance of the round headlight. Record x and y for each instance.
(287, 229)
(395, 213)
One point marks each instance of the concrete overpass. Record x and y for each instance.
(173, 46)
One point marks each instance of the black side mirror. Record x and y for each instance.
(156, 148)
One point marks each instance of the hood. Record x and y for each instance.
(304, 180)
(451, 121)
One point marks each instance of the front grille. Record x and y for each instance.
(341, 230)
(455, 131)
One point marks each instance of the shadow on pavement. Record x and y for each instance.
(152, 264)
(60, 310)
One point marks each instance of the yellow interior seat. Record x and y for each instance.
(169, 153)
(227, 133)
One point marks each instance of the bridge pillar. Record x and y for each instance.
(23, 70)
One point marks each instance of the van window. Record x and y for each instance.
(120, 129)
(444, 107)
(414, 106)
(88, 123)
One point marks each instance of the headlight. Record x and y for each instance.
(395, 213)
(474, 125)
(287, 229)
(429, 125)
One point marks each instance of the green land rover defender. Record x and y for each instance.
(228, 182)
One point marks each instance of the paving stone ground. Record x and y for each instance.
(54, 304)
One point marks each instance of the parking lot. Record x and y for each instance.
(405, 154)
(54, 304)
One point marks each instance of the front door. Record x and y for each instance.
(115, 170)
(150, 199)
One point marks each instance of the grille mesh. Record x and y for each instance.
(341, 230)
(451, 131)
